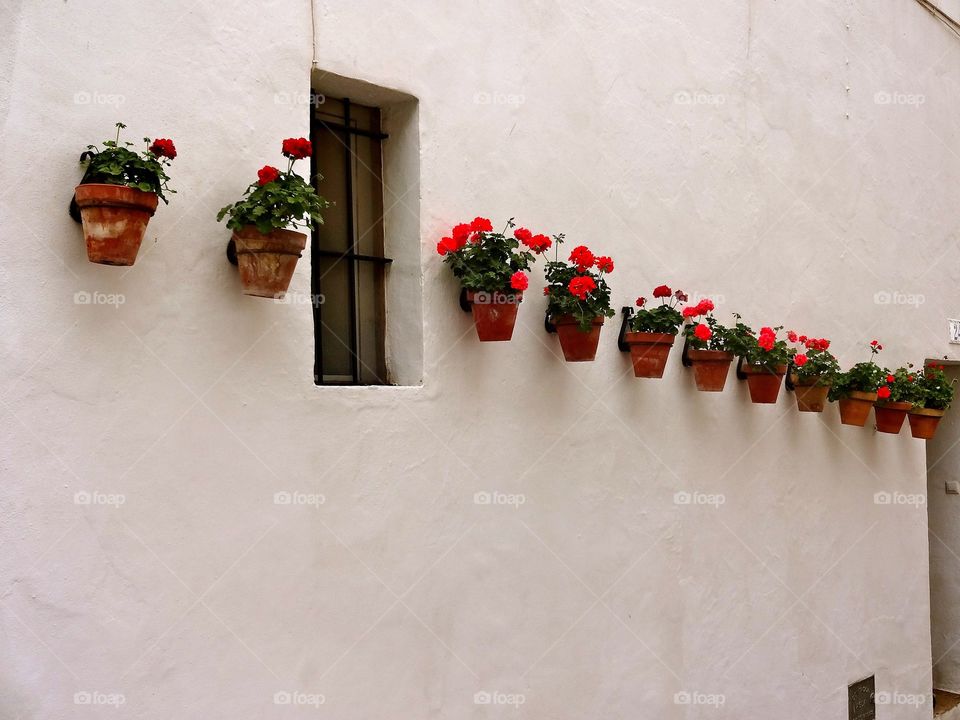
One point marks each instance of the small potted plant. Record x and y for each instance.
(765, 360)
(653, 330)
(578, 300)
(812, 371)
(856, 389)
(934, 394)
(707, 349)
(267, 251)
(118, 195)
(894, 399)
(491, 269)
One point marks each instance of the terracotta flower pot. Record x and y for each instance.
(267, 262)
(710, 368)
(577, 345)
(764, 382)
(855, 408)
(810, 396)
(649, 352)
(494, 314)
(890, 416)
(924, 422)
(114, 221)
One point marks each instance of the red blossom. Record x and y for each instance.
(539, 243)
(581, 286)
(523, 235)
(480, 224)
(519, 281)
(447, 245)
(582, 257)
(163, 147)
(792, 336)
(267, 174)
(800, 360)
(883, 393)
(604, 264)
(461, 233)
(546, 289)
(890, 378)
(767, 339)
(702, 332)
(662, 291)
(641, 301)
(297, 148)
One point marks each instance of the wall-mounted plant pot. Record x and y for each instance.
(710, 368)
(764, 382)
(577, 345)
(811, 397)
(649, 352)
(494, 314)
(890, 416)
(924, 422)
(267, 261)
(855, 407)
(114, 221)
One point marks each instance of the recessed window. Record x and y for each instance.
(348, 262)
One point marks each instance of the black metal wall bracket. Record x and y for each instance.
(464, 303)
(684, 356)
(741, 375)
(547, 325)
(74, 209)
(232, 251)
(627, 313)
(787, 382)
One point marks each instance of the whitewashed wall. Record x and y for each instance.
(737, 149)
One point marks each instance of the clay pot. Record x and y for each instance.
(855, 408)
(764, 382)
(810, 396)
(890, 416)
(578, 346)
(924, 422)
(710, 368)
(267, 262)
(649, 352)
(494, 314)
(114, 221)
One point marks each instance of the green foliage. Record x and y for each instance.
(862, 377)
(718, 340)
(665, 318)
(288, 200)
(561, 301)
(933, 389)
(116, 164)
(765, 351)
(902, 384)
(821, 365)
(486, 263)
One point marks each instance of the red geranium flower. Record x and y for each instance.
(267, 174)
(447, 245)
(519, 281)
(702, 332)
(604, 264)
(792, 336)
(890, 378)
(163, 148)
(523, 235)
(883, 393)
(681, 295)
(546, 289)
(581, 286)
(705, 306)
(582, 257)
(297, 148)
(799, 360)
(874, 343)
(461, 233)
(641, 301)
(691, 311)
(662, 291)
(480, 224)
(539, 243)
(767, 339)
(803, 339)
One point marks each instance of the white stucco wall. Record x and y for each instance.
(784, 190)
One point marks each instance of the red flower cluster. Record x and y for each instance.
(297, 148)
(641, 301)
(800, 360)
(662, 291)
(163, 148)
(702, 332)
(267, 174)
(480, 224)
(767, 339)
(883, 392)
(581, 286)
(808, 343)
(519, 281)
(537, 243)
(582, 258)
(701, 308)
(604, 264)
(875, 347)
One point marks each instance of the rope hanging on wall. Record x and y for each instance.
(941, 16)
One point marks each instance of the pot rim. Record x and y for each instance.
(927, 412)
(517, 294)
(896, 406)
(709, 355)
(750, 369)
(571, 320)
(134, 197)
(647, 338)
(860, 396)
